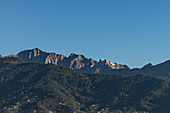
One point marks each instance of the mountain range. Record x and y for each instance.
(48, 88)
(82, 64)
(76, 62)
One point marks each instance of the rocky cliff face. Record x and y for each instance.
(37, 55)
(76, 62)
(82, 64)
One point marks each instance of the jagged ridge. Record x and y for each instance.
(76, 62)
(82, 64)
(40, 88)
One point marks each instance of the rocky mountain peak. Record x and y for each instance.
(102, 60)
(112, 65)
(36, 52)
(77, 56)
(92, 60)
(31, 53)
(54, 58)
(74, 61)
(82, 64)
(73, 55)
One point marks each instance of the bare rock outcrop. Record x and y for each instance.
(76, 62)
(54, 58)
(82, 64)
(37, 55)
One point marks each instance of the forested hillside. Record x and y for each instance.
(34, 87)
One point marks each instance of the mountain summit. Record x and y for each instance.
(48, 88)
(76, 62)
(80, 63)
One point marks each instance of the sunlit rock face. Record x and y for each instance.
(82, 64)
(37, 55)
(76, 62)
(54, 58)
(105, 62)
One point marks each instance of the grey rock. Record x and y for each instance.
(76, 62)
(82, 64)
(37, 55)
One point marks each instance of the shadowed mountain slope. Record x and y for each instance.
(160, 71)
(29, 87)
(81, 64)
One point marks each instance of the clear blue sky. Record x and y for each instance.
(132, 32)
